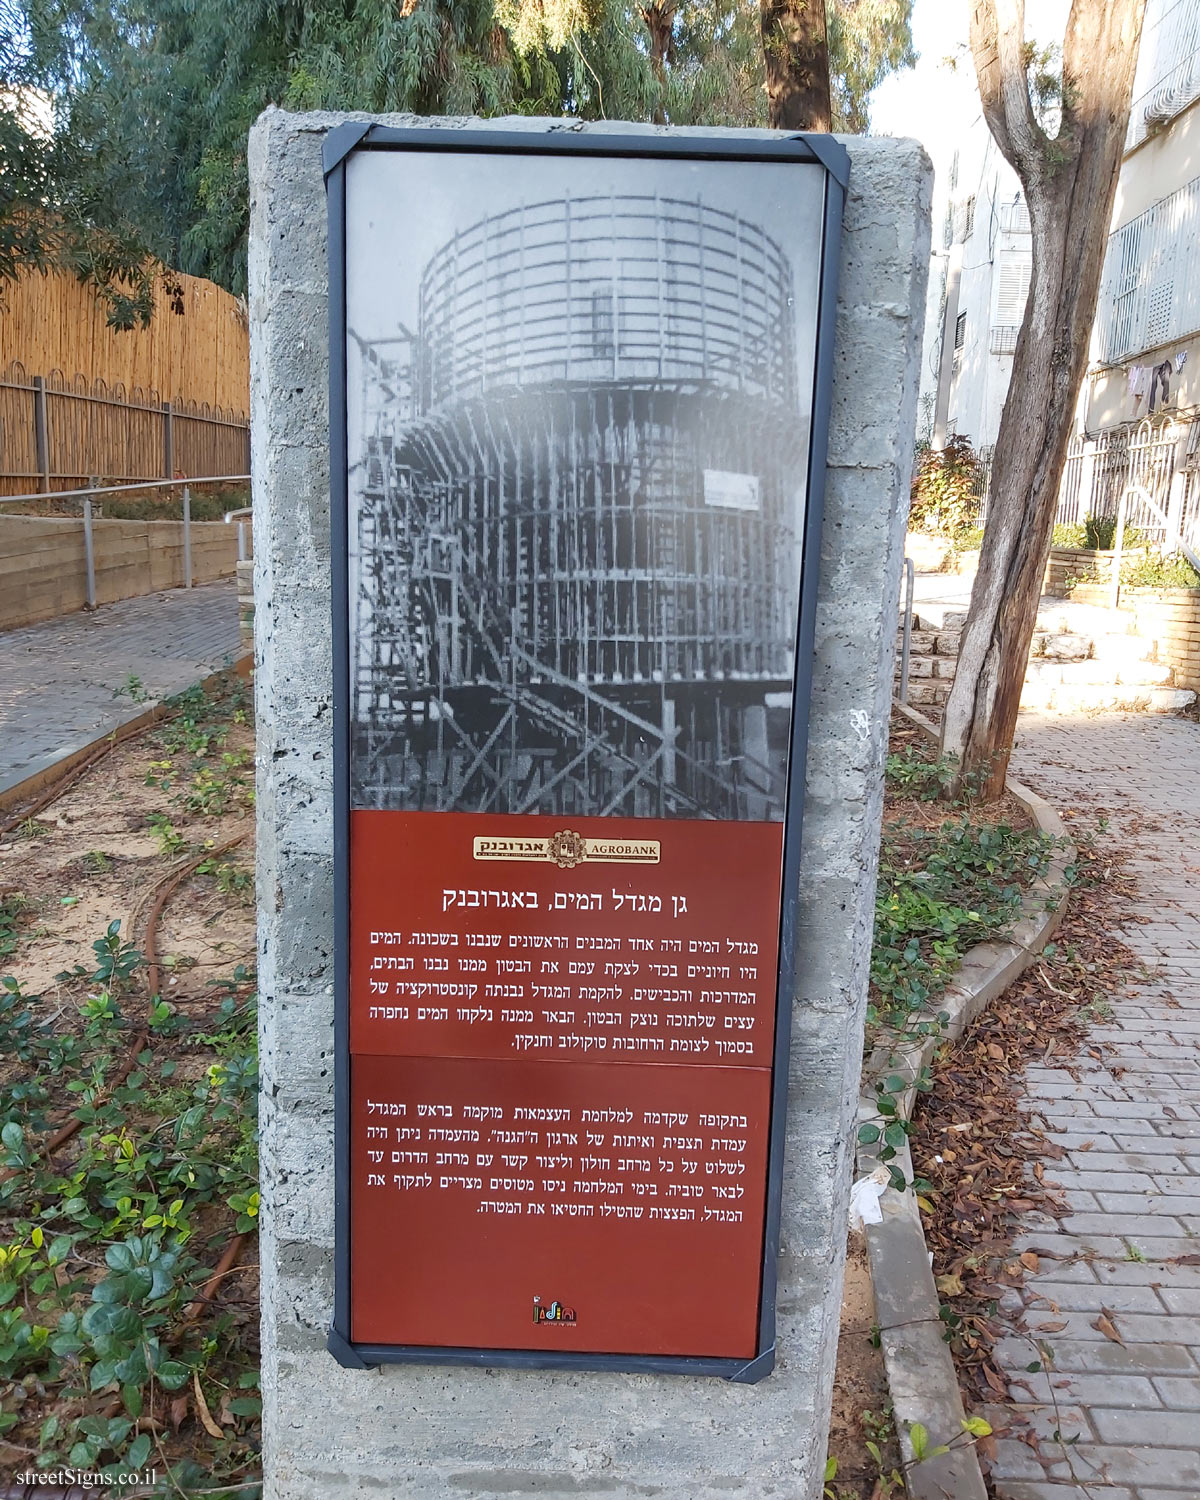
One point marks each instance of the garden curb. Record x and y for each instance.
(28, 784)
(920, 1370)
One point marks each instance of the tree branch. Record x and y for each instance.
(998, 46)
(1100, 42)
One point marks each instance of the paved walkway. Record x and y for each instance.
(1130, 1248)
(58, 679)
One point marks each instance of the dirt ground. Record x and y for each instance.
(861, 1404)
(93, 856)
(108, 850)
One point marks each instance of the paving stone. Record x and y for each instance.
(1048, 1490)
(1164, 1429)
(1017, 1460)
(1146, 1273)
(1139, 1466)
(1151, 1205)
(1132, 1142)
(1137, 1391)
(58, 679)
(1184, 1300)
(1058, 1421)
(1095, 1357)
(1071, 1297)
(1126, 1225)
(1177, 1391)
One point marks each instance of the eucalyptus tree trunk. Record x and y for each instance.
(659, 18)
(1069, 181)
(796, 57)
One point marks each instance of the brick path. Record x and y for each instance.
(1131, 1130)
(57, 679)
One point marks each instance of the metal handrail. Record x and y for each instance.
(910, 584)
(235, 515)
(1174, 540)
(88, 495)
(92, 490)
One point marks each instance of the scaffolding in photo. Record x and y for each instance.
(578, 504)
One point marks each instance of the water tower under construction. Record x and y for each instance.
(577, 517)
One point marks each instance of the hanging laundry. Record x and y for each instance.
(1180, 360)
(1139, 381)
(1160, 378)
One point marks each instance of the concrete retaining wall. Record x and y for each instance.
(43, 566)
(1067, 563)
(423, 1433)
(1170, 618)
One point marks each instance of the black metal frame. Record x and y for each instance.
(831, 156)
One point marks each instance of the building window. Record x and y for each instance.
(960, 332)
(1016, 269)
(1151, 289)
(603, 323)
(1168, 67)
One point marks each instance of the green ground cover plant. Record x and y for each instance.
(1151, 570)
(128, 1139)
(951, 875)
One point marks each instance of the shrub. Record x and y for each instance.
(1149, 569)
(1100, 533)
(944, 499)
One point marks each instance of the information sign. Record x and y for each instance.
(580, 390)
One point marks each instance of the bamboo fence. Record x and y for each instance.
(157, 402)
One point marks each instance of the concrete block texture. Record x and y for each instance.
(420, 1433)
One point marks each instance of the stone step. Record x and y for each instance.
(1099, 673)
(1061, 646)
(1096, 697)
(1123, 649)
(937, 618)
(927, 691)
(929, 642)
(928, 666)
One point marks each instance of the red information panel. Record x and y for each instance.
(561, 1044)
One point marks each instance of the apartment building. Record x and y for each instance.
(1145, 354)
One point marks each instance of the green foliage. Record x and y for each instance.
(134, 688)
(200, 777)
(868, 39)
(941, 891)
(944, 498)
(908, 773)
(970, 538)
(1098, 533)
(1150, 569)
(12, 905)
(146, 163)
(170, 840)
(153, 1159)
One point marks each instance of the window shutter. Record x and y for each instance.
(1015, 271)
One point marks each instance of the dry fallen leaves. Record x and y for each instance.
(981, 1190)
(1105, 1325)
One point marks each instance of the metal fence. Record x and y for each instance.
(1162, 457)
(59, 433)
(981, 489)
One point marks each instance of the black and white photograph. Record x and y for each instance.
(578, 410)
